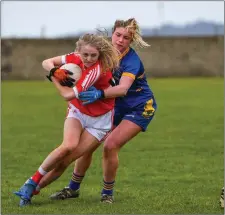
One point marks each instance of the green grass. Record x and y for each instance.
(176, 167)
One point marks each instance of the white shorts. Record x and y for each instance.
(99, 126)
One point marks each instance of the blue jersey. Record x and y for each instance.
(139, 92)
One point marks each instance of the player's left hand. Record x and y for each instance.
(91, 95)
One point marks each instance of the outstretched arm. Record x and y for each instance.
(120, 90)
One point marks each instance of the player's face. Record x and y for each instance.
(121, 39)
(89, 55)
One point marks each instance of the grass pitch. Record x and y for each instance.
(176, 167)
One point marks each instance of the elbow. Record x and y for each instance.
(44, 63)
(47, 64)
(67, 95)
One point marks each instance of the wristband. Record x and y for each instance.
(102, 94)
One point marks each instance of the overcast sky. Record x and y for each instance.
(24, 18)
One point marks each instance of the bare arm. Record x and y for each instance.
(66, 92)
(50, 63)
(121, 89)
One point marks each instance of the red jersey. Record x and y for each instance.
(92, 76)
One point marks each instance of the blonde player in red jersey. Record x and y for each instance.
(85, 126)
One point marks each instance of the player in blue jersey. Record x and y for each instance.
(135, 107)
(135, 103)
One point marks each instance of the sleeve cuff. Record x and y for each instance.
(64, 59)
(129, 75)
(76, 92)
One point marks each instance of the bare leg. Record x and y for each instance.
(124, 132)
(83, 163)
(72, 132)
(88, 144)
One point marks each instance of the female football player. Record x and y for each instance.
(134, 109)
(85, 126)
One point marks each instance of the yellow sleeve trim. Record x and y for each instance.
(129, 75)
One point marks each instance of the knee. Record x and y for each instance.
(110, 145)
(66, 149)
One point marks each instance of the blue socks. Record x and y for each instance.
(108, 188)
(75, 182)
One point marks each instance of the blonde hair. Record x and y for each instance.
(108, 55)
(132, 26)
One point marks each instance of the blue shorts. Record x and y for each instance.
(141, 115)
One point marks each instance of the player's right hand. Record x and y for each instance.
(51, 73)
(60, 74)
(67, 82)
